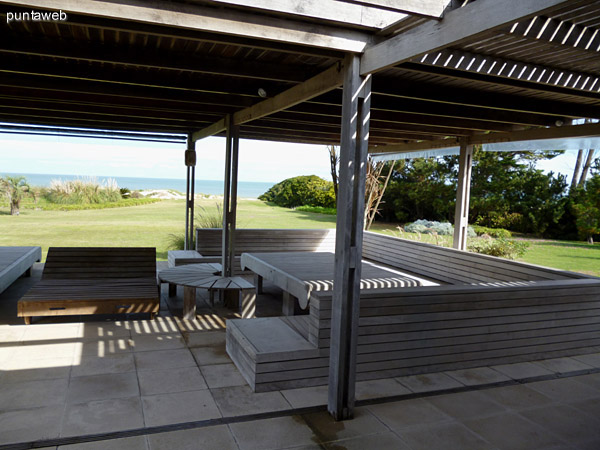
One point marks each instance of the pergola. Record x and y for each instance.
(379, 76)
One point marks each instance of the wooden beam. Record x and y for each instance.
(463, 192)
(348, 245)
(364, 15)
(209, 19)
(475, 19)
(429, 8)
(570, 131)
(324, 82)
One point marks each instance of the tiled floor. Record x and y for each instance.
(75, 379)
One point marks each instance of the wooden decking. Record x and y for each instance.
(81, 281)
(16, 261)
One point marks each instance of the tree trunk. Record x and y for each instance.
(576, 171)
(333, 160)
(586, 167)
(590, 240)
(14, 208)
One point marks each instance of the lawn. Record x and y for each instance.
(150, 225)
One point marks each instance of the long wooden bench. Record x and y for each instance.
(481, 316)
(82, 281)
(16, 262)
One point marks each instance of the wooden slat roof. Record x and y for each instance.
(105, 73)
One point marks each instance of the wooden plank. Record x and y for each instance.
(470, 21)
(207, 19)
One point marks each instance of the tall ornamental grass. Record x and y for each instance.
(82, 191)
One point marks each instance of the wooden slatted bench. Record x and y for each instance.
(82, 281)
(15, 262)
(485, 311)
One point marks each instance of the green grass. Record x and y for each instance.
(150, 225)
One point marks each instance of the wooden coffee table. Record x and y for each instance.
(208, 276)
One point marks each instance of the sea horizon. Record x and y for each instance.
(247, 189)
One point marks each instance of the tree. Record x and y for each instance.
(587, 206)
(375, 187)
(14, 188)
(334, 161)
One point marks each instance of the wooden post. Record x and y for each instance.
(190, 163)
(463, 191)
(348, 245)
(230, 197)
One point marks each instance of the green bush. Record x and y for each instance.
(317, 209)
(306, 190)
(68, 207)
(433, 227)
(493, 232)
(83, 192)
(206, 218)
(502, 248)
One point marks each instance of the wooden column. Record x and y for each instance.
(190, 163)
(463, 191)
(348, 246)
(230, 197)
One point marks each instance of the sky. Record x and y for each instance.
(259, 160)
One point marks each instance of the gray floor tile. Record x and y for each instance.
(565, 390)
(94, 365)
(164, 359)
(304, 397)
(165, 381)
(429, 382)
(210, 438)
(592, 359)
(271, 434)
(567, 423)
(104, 347)
(102, 416)
(52, 332)
(205, 338)
(387, 387)
(32, 394)
(210, 355)
(222, 375)
(446, 436)
(20, 370)
(374, 441)
(466, 405)
(519, 371)
(328, 430)
(99, 387)
(562, 365)
(103, 330)
(517, 397)
(241, 401)
(590, 406)
(158, 342)
(592, 380)
(16, 426)
(407, 413)
(477, 376)
(178, 407)
(130, 443)
(511, 431)
(40, 350)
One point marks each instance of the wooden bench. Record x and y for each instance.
(489, 311)
(16, 262)
(82, 281)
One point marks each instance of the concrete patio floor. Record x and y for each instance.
(167, 384)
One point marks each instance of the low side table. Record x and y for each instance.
(208, 276)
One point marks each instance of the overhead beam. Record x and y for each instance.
(474, 19)
(215, 20)
(365, 14)
(324, 82)
(429, 8)
(571, 131)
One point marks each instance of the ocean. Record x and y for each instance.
(246, 189)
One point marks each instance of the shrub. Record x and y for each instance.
(212, 218)
(502, 248)
(432, 227)
(125, 193)
(309, 190)
(493, 232)
(83, 191)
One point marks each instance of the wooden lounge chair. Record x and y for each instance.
(78, 281)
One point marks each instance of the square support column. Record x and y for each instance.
(190, 163)
(230, 197)
(349, 234)
(463, 192)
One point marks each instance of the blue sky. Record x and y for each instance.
(259, 161)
